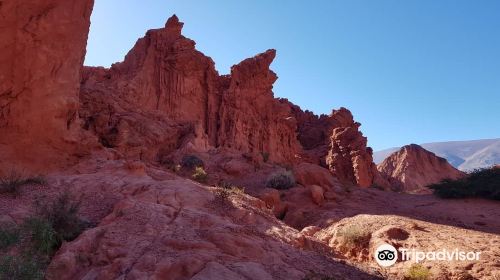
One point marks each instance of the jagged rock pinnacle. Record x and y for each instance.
(173, 23)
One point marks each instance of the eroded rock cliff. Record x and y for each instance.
(165, 78)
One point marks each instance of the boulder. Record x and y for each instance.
(317, 194)
(311, 174)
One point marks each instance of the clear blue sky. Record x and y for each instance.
(411, 71)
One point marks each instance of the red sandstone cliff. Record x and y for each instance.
(165, 78)
(412, 168)
(42, 47)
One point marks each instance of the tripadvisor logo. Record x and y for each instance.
(386, 255)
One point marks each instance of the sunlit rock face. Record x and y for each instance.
(412, 168)
(166, 77)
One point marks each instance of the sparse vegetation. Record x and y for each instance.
(14, 180)
(265, 156)
(191, 162)
(9, 235)
(62, 215)
(483, 183)
(39, 237)
(42, 235)
(200, 175)
(354, 235)
(230, 188)
(22, 267)
(224, 190)
(418, 272)
(282, 180)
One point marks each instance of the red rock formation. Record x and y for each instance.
(413, 167)
(349, 158)
(166, 77)
(251, 120)
(42, 46)
(164, 97)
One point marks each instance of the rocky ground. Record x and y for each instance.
(151, 223)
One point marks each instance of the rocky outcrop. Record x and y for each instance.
(42, 47)
(251, 119)
(412, 168)
(165, 97)
(349, 158)
(164, 77)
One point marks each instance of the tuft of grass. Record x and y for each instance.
(43, 237)
(200, 175)
(191, 162)
(12, 182)
(418, 272)
(223, 191)
(22, 267)
(484, 183)
(62, 215)
(40, 236)
(354, 235)
(9, 235)
(282, 180)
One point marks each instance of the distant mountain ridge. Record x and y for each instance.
(464, 155)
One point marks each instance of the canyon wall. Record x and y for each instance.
(42, 47)
(165, 97)
(165, 76)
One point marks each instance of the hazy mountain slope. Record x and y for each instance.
(487, 156)
(464, 155)
(379, 156)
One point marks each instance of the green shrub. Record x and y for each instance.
(281, 180)
(42, 235)
(484, 183)
(26, 268)
(200, 175)
(191, 162)
(62, 215)
(14, 180)
(354, 235)
(418, 272)
(9, 235)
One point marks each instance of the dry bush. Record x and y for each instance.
(200, 175)
(281, 180)
(354, 236)
(418, 272)
(12, 182)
